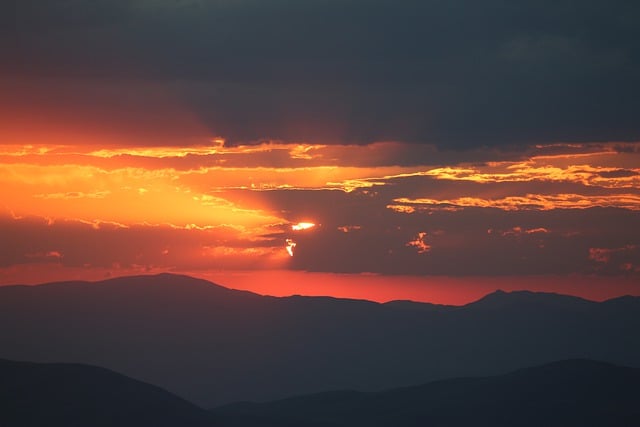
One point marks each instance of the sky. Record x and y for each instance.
(438, 150)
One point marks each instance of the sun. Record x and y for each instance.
(302, 226)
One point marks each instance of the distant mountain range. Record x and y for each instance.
(572, 393)
(213, 345)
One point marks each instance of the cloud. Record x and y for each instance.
(47, 256)
(530, 201)
(84, 245)
(73, 195)
(604, 254)
(518, 231)
(419, 243)
(387, 208)
(348, 71)
(349, 228)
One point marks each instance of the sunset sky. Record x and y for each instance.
(441, 150)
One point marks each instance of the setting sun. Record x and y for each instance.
(302, 226)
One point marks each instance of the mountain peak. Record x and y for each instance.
(141, 280)
(500, 298)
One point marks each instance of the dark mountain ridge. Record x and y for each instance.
(34, 394)
(214, 345)
(566, 393)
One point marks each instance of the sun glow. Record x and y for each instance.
(302, 226)
(290, 246)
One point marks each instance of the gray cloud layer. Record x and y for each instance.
(454, 73)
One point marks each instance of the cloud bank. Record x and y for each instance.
(454, 74)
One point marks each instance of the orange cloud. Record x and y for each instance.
(419, 243)
(607, 168)
(604, 255)
(616, 260)
(73, 195)
(527, 202)
(45, 256)
(519, 231)
(349, 228)
(125, 196)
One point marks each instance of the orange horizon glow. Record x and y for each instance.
(446, 290)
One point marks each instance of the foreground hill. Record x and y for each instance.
(569, 393)
(213, 345)
(69, 395)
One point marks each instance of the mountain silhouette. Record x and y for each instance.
(212, 345)
(70, 395)
(569, 393)
(501, 299)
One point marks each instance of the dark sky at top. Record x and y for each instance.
(458, 74)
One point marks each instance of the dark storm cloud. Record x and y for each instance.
(455, 73)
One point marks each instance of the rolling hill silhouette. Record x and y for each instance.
(33, 394)
(569, 393)
(213, 345)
